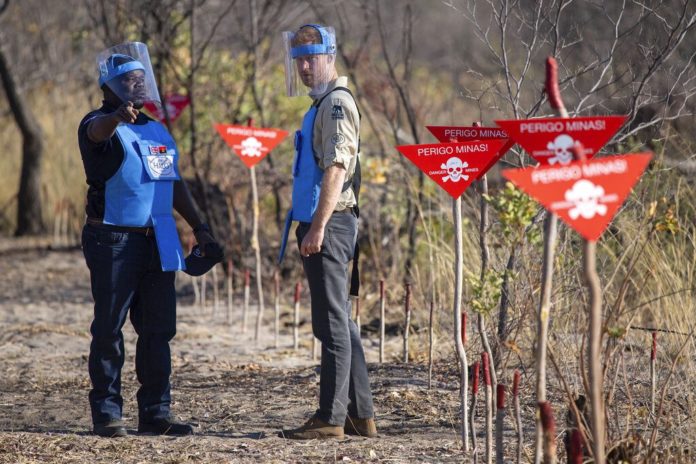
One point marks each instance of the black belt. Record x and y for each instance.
(146, 231)
(349, 210)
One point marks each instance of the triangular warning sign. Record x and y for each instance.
(251, 144)
(586, 196)
(454, 166)
(175, 106)
(550, 140)
(447, 134)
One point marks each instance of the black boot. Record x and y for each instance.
(164, 426)
(111, 429)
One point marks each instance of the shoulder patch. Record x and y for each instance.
(338, 139)
(337, 111)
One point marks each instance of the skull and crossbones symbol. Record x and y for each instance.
(251, 147)
(562, 148)
(585, 196)
(454, 167)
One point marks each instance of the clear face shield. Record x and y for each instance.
(310, 60)
(127, 71)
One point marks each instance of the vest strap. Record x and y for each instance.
(354, 183)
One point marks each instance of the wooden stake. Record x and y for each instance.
(357, 312)
(316, 347)
(653, 373)
(382, 305)
(216, 292)
(194, 280)
(489, 407)
(230, 290)
(461, 352)
(245, 309)
(464, 328)
(204, 288)
(430, 345)
(276, 305)
(296, 319)
(594, 351)
(255, 246)
(407, 324)
(485, 258)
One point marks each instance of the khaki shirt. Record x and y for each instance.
(336, 135)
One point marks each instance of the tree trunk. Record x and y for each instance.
(29, 215)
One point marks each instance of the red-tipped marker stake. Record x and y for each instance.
(472, 412)
(575, 451)
(550, 226)
(518, 414)
(499, 419)
(548, 425)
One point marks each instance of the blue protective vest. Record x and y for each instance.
(307, 176)
(141, 192)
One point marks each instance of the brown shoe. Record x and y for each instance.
(313, 429)
(361, 427)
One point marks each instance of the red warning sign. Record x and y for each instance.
(175, 106)
(585, 195)
(251, 144)
(447, 134)
(454, 166)
(550, 140)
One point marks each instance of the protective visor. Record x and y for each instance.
(309, 66)
(127, 71)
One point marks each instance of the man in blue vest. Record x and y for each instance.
(324, 202)
(130, 242)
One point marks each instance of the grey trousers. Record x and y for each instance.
(343, 387)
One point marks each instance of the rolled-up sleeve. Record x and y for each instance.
(339, 131)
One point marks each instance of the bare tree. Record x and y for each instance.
(29, 214)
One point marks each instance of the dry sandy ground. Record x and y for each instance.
(239, 395)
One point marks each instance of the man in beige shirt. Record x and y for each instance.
(324, 202)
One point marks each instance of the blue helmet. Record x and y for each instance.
(117, 64)
(326, 47)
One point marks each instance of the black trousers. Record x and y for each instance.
(344, 385)
(126, 276)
